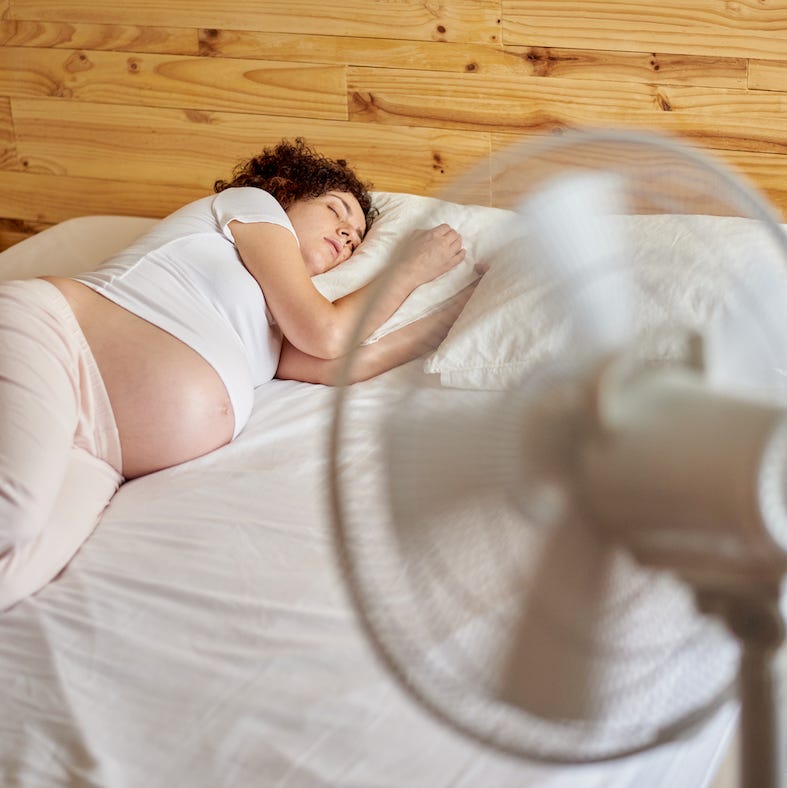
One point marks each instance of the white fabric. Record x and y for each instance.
(684, 270)
(385, 243)
(203, 637)
(186, 277)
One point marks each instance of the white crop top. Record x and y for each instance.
(187, 277)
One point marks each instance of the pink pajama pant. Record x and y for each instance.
(60, 457)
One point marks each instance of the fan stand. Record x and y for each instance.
(753, 616)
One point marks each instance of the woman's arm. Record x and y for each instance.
(310, 322)
(395, 348)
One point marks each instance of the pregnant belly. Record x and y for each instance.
(169, 403)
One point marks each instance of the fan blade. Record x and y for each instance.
(600, 638)
(442, 452)
(549, 638)
(578, 239)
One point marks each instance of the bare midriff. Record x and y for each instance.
(169, 403)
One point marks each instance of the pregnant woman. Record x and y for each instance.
(152, 359)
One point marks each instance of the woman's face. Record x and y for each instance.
(329, 229)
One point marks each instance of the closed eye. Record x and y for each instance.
(344, 213)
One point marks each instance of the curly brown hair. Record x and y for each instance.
(293, 171)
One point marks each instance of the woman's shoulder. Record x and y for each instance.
(245, 200)
(248, 204)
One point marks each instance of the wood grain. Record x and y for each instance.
(356, 50)
(540, 105)
(641, 67)
(37, 197)
(459, 20)
(195, 148)
(767, 172)
(12, 231)
(299, 90)
(120, 38)
(744, 28)
(768, 75)
(8, 157)
(391, 53)
(171, 95)
(410, 97)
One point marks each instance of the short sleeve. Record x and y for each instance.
(248, 204)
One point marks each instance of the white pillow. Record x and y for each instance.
(71, 247)
(683, 269)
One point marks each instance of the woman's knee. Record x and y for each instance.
(42, 538)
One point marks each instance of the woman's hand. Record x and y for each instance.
(430, 253)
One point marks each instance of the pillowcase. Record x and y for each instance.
(682, 269)
(400, 215)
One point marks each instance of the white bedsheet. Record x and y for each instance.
(202, 637)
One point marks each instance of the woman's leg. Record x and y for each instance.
(87, 486)
(54, 476)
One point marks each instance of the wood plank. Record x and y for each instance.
(767, 172)
(460, 20)
(384, 52)
(655, 168)
(730, 118)
(12, 231)
(726, 119)
(120, 38)
(768, 75)
(744, 28)
(664, 68)
(253, 86)
(477, 58)
(479, 101)
(167, 146)
(8, 153)
(37, 197)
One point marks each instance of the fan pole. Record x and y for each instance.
(757, 623)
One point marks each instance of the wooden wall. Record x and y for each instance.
(137, 106)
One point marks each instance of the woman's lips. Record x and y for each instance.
(337, 249)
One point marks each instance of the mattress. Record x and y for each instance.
(203, 635)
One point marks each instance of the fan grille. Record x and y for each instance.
(485, 593)
(443, 605)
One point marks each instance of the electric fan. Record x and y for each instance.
(586, 561)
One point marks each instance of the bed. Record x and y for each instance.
(202, 637)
